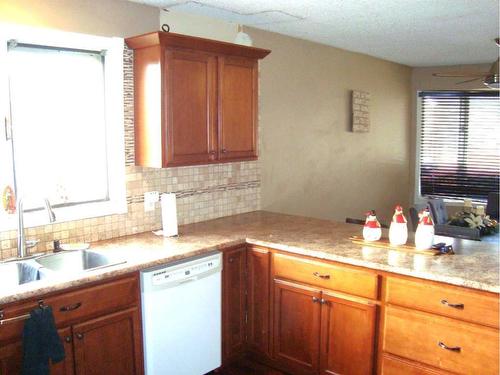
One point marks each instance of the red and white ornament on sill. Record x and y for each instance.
(398, 231)
(424, 235)
(372, 230)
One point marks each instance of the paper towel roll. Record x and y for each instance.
(169, 214)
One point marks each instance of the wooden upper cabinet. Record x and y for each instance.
(190, 81)
(195, 100)
(237, 108)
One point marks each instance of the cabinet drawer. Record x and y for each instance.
(396, 366)
(325, 275)
(445, 300)
(430, 339)
(83, 303)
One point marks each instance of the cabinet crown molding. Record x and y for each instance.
(191, 42)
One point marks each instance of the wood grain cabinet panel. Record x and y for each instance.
(190, 107)
(455, 302)
(347, 336)
(205, 109)
(233, 303)
(237, 108)
(326, 275)
(66, 366)
(11, 355)
(110, 344)
(441, 342)
(258, 299)
(296, 327)
(392, 365)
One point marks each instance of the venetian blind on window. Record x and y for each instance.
(459, 144)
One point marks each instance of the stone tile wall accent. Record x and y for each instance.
(204, 192)
(360, 111)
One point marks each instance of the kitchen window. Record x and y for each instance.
(458, 144)
(63, 123)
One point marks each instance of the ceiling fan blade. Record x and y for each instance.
(459, 74)
(469, 80)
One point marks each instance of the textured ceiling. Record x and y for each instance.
(411, 32)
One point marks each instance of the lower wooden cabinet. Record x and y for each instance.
(100, 336)
(317, 332)
(110, 344)
(258, 300)
(10, 358)
(347, 335)
(296, 330)
(233, 303)
(66, 366)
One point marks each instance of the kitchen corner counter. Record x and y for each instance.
(475, 264)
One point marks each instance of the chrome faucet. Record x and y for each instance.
(22, 244)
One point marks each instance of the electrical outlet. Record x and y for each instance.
(150, 198)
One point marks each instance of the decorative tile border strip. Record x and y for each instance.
(196, 192)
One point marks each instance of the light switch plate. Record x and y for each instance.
(150, 198)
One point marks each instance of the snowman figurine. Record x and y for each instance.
(372, 230)
(424, 236)
(398, 231)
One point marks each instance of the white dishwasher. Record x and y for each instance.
(181, 316)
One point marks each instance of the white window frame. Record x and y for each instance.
(115, 144)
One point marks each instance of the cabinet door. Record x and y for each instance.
(65, 367)
(234, 303)
(347, 336)
(11, 357)
(258, 290)
(190, 101)
(296, 327)
(237, 108)
(110, 344)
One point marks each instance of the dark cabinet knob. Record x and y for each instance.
(67, 339)
(79, 336)
(315, 299)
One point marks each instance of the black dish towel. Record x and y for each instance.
(41, 342)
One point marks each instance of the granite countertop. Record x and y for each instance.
(475, 264)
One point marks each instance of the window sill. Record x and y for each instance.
(64, 214)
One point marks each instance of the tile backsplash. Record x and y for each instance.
(203, 192)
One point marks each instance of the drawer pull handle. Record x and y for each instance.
(459, 306)
(70, 307)
(315, 299)
(67, 339)
(324, 301)
(450, 348)
(79, 336)
(317, 274)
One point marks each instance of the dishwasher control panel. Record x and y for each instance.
(184, 272)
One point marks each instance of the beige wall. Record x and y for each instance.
(312, 164)
(421, 80)
(99, 17)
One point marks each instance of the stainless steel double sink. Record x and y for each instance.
(21, 271)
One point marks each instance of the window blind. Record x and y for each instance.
(459, 144)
